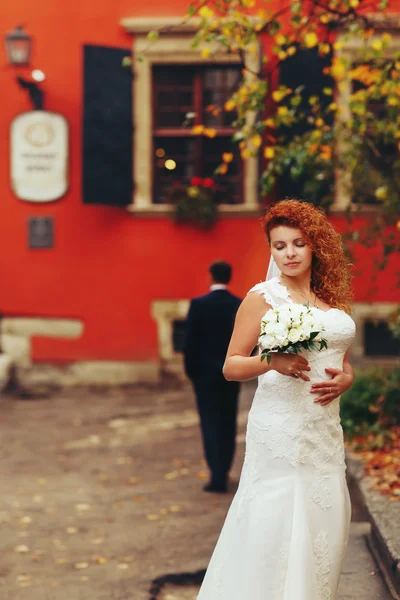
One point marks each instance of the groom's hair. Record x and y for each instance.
(221, 271)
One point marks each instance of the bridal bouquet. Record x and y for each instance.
(291, 329)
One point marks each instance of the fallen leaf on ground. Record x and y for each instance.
(81, 565)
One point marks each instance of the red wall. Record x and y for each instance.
(107, 266)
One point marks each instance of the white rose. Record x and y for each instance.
(270, 316)
(267, 342)
(280, 333)
(294, 335)
(296, 312)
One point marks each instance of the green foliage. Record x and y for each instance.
(373, 402)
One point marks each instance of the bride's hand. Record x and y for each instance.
(291, 365)
(333, 388)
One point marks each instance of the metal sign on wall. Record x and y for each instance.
(39, 156)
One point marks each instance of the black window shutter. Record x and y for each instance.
(107, 127)
(304, 69)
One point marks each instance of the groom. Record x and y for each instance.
(209, 328)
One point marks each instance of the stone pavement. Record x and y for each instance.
(101, 495)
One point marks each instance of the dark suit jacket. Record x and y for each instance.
(209, 328)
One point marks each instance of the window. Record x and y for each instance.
(204, 83)
(185, 96)
(353, 189)
(379, 341)
(305, 70)
(379, 155)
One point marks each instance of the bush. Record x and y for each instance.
(373, 402)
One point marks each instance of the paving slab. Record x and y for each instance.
(102, 496)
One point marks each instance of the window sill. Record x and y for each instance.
(165, 210)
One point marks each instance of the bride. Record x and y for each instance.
(286, 531)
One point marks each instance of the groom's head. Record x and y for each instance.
(220, 272)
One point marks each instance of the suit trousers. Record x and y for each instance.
(217, 404)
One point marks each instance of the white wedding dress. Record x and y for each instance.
(286, 532)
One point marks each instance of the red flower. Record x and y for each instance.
(196, 181)
(208, 182)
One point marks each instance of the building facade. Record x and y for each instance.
(105, 301)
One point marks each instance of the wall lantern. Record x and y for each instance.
(18, 47)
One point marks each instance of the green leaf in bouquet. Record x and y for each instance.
(269, 357)
(313, 346)
(314, 335)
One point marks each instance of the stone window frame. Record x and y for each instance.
(363, 311)
(172, 47)
(349, 50)
(165, 312)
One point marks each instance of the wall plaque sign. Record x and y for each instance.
(41, 232)
(39, 156)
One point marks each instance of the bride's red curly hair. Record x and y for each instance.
(330, 274)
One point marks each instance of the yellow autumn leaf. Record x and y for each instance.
(205, 12)
(319, 122)
(338, 69)
(26, 520)
(256, 140)
(325, 18)
(205, 53)
(310, 39)
(269, 152)
(354, 3)
(381, 192)
(326, 152)
(277, 95)
(210, 133)
(230, 105)
(71, 530)
(280, 39)
(324, 49)
(203, 474)
(292, 50)
(221, 170)
(393, 101)
(81, 565)
(283, 111)
(387, 38)
(245, 153)
(100, 560)
(282, 55)
(377, 45)
(270, 123)
(198, 129)
(173, 474)
(153, 517)
(175, 508)
(227, 157)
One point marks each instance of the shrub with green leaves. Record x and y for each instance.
(372, 403)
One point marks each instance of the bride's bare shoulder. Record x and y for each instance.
(254, 302)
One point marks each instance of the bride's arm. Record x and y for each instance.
(239, 365)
